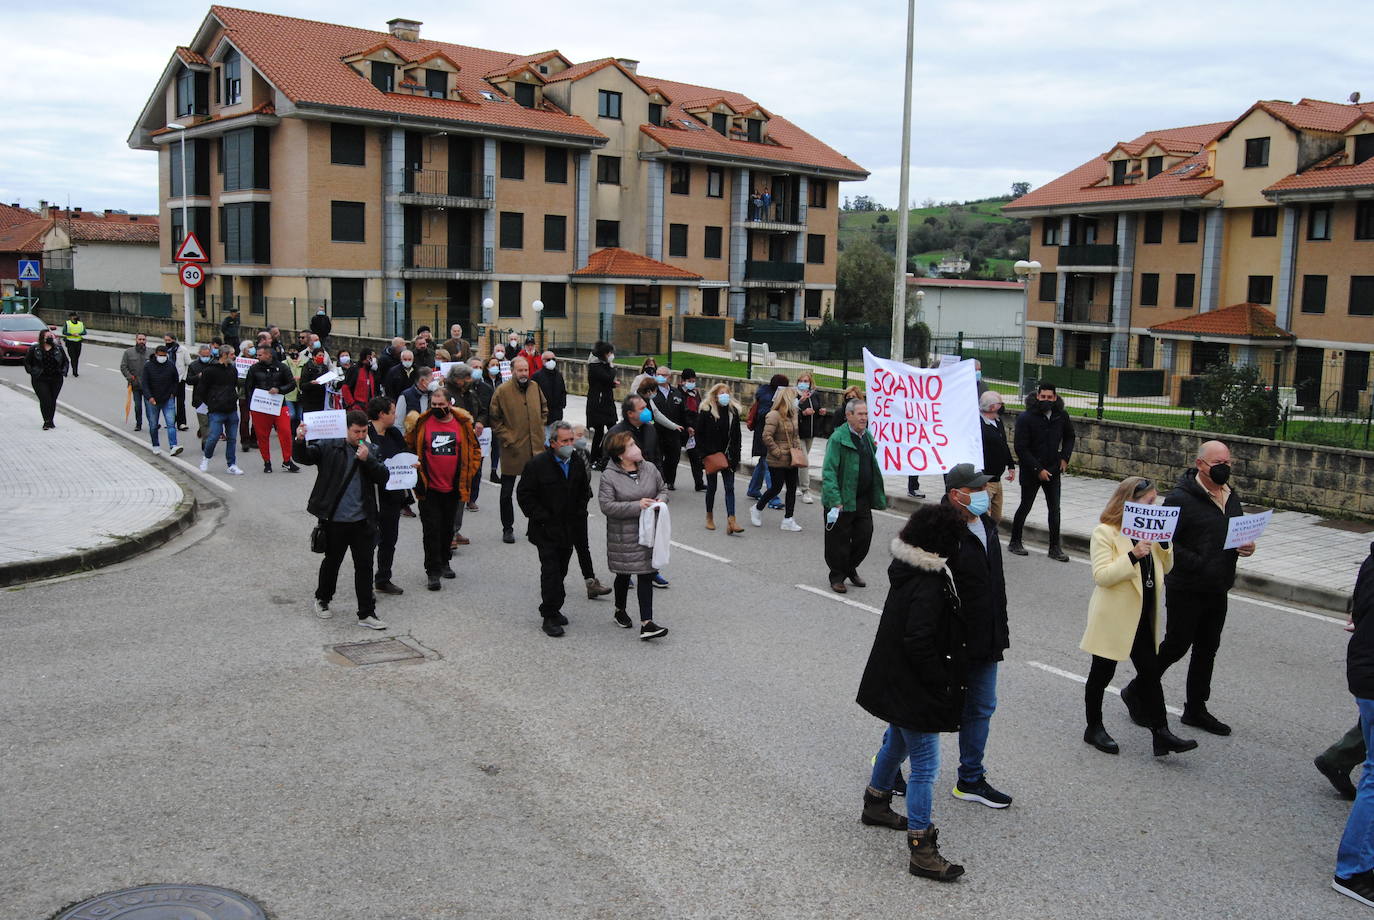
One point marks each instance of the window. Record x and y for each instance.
(384, 76)
(641, 300)
(1260, 289)
(524, 94)
(1207, 355)
(193, 93)
(1146, 356)
(655, 113)
(1319, 221)
(1049, 287)
(1049, 231)
(710, 301)
(1264, 222)
(754, 130)
(1364, 220)
(436, 83)
(607, 103)
(554, 294)
(815, 248)
(346, 221)
(197, 168)
(811, 300)
(245, 159)
(715, 182)
(1119, 171)
(555, 233)
(233, 82)
(1154, 226)
(680, 178)
(818, 193)
(1364, 147)
(347, 144)
(1153, 166)
(345, 297)
(508, 298)
(1183, 291)
(245, 229)
(512, 160)
(1314, 293)
(512, 230)
(1044, 342)
(1362, 295)
(720, 123)
(1187, 226)
(607, 233)
(556, 165)
(677, 241)
(711, 246)
(608, 170)
(1257, 151)
(178, 228)
(1149, 289)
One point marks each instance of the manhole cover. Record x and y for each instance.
(378, 652)
(166, 902)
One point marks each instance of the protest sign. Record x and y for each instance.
(1150, 523)
(331, 423)
(949, 360)
(403, 472)
(328, 377)
(268, 403)
(446, 366)
(242, 364)
(484, 440)
(1246, 529)
(924, 420)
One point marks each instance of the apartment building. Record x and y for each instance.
(1248, 241)
(397, 178)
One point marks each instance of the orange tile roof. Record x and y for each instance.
(1317, 115)
(116, 228)
(11, 216)
(1328, 174)
(26, 237)
(190, 57)
(1242, 320)
(621, 263)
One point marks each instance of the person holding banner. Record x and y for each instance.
(1044, 444)
(1123, 620)
(387, 442)
(270, 376)
(784, 457)
(447, 447)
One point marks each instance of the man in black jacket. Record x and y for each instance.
(159, 384)
(550, 380)
(672, 404)
(322, 325)
(388, 441)
(1355, 859)
(997, 457)
(977, 571)
(1044, 444)
(1195, 589)
(217, 388)
(345, 502)
(401, 376)
(553, 492)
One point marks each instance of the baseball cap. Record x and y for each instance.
(964, 476)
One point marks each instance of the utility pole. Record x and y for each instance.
(903, 206)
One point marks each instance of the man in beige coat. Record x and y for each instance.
(518, 411)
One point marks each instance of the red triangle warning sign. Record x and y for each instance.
(190, 250)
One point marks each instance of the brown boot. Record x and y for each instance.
(731, 527)
(878, 811)
(596, 589)
(710, 521)
(926, 860)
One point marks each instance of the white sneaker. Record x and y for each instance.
(807, 499)
(176, 449)
(205, 464)
(234, 470)
(322, 610)
(789, 524)
(372, 623)
(157, 451)
(754, 517)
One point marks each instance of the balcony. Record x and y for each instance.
(429, 260)
(440, 188)
(777, 216)
(1094, 255)
(773, 274)
(1089, 314)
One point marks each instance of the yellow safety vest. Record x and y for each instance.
(75, 331)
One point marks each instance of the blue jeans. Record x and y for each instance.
(760, 478)
(222, 423)
(168, 413)
(923, 750)
(727, 479)
(979, 702)
(293, 407)
(1356, 853)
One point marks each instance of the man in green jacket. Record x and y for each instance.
(851, 487)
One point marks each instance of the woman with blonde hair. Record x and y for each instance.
(782, 443)
(1123, 620)
(718, 432)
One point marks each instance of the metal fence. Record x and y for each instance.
(128, 303)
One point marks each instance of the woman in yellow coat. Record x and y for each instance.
(1123, 620)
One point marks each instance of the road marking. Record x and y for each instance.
(1333, 618)
(831, 595)
(700, 552)
(1060, 672)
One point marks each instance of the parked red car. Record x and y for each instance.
(18, 333)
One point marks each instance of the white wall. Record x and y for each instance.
(116, 267)
(972, 311)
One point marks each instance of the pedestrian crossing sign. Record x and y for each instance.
(29, 270)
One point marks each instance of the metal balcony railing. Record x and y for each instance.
(1097, 314)
(448, 184)
(777, 212)
(774, 271)
(1092, 254)
(448, 258)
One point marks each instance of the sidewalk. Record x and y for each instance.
(74, 499)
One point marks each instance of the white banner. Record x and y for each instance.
(264, 401)
(1245, 529)
(924, 420)
(331, 423)
(242, 364)
(1149, 523)
(403, 472)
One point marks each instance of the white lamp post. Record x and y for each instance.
(539, 311)
(1025, 271)
(188, 334)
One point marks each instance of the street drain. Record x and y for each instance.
(381, 651)
(165, 902)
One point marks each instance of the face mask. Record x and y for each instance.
(319, 312)
(831, 517)
(1220, 473)
(660, 379)
(205, 359)
(315, 345)
(610, 358)
(407, 364)
(344, 359)
(723, 398)
(689, 386)
(646, 415)
(319, 359)
(582, 444)
(372, 364)
(433, 385)
(564, 451)
(214, 352)
(804, 387)
(441, 413)
(514, 343)
(161, 359)
(977, 375)
(551, 364)
(978, 503)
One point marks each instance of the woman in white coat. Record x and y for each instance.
(1123, 620)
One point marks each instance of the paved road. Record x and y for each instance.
(177, 718)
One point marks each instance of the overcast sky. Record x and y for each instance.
(1003, 91)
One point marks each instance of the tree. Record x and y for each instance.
(863, 284)
(882, 218)
(1235, 400)
(1019, 188)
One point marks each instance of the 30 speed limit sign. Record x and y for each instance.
(192, 275)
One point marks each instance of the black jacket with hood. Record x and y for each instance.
(1200, 564)
(1359, 656)
(982, 590)
(1041, 440)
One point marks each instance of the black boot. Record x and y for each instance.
(1097, 736)
(878, 812)
(1128, 696)
(1166, 742)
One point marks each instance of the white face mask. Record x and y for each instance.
(344, 359)
(551, 364)
(161, 359)
(500, 354)
(407, 363)
(433, 385)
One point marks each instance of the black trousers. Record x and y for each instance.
(356, 538)
(507, 499)
(553, 569)
(1030, 484)
(781, 476)
(1195, 620)
(847, 543)
(74, 356)
(670, 446)
(46, 389)
(598, 433)
(436, 523)
(388, 529)
(584, 552)
(180, 392)
(644, 593)
(698, 474)
(1145, 688)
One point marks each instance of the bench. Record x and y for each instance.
(739, 351)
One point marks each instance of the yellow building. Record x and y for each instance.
(399, 181)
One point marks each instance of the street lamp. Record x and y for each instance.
(920, 296)
(188, 333)
(539, 311)
(1025, 271)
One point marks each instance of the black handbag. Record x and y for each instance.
(317, 539)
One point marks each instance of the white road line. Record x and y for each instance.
(831, 595)
(1060, 672)
(1333, 618)
(186, 467)
(700, 552)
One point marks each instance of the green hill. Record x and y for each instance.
(977, 230)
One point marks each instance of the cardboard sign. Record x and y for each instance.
(263, 401)
(484, 439)
(949, 360)
(924, 420)
(328, 377)
(242, 364)
(1149, 523)
(1246, 529)
(320, 426)
(446, 366)
(403, 472)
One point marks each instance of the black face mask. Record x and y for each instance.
(1220, 473)
(441, 414)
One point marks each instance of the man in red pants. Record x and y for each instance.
(272, 376)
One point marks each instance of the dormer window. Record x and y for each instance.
(1364, 147)
(233, 81)
(436, 83)
(720, 123)
(1119, 171)
(656, 114)
(384, 76)
(754, 130)
(1153, 166)
(193, 92)
(524, 94)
